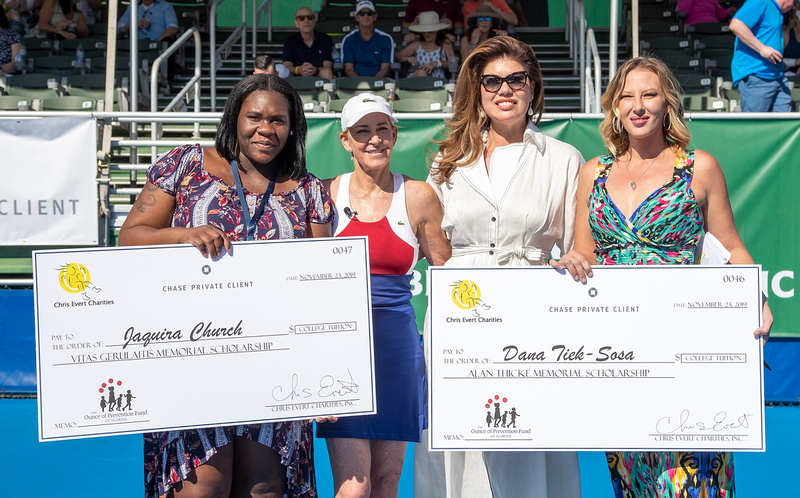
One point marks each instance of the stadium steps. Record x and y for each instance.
(562, 90)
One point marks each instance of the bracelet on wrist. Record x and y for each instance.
(295, 70)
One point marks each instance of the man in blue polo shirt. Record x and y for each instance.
(157, 20)
(367, 51)
(757, 65)
(309, 52)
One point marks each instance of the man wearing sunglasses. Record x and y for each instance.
(367, 51)
(309, 52)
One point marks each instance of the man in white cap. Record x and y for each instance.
(367, 51)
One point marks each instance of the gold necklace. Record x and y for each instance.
(634, 183)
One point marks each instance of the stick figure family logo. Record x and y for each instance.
(467, 296)
(75, 279)
(117, 399)
(498, 413)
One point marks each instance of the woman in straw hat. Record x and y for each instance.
(432, 49)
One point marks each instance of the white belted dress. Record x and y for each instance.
(510, 214)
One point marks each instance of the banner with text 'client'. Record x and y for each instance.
(638, 358)
(137, 339)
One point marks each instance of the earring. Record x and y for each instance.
(615, 125)
(485, 136)
(530, 110)
(291, 132)
(667, 122)
(481, 114)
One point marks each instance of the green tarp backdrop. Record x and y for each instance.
(759, 158)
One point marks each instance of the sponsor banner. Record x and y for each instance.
(639, 358)
(48, 195)
(278, 330)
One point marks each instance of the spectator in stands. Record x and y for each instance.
(499, 7)
(9, 46)
(92, 9)
(449, 13)
(698, 11)
(367, 51)
(431, 51)
(517, 9)
(58, 19)
(22, 7)
(157, 20)
(757, 64)
(260, 146)
(791, 42)
(263, 64)
(482, 24)
(309, 52)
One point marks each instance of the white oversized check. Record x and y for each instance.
(138, 339)
(639, 358)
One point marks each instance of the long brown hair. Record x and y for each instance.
(677, 135)
(463, 145)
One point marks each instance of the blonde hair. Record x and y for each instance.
(462, 144)
(676, 134)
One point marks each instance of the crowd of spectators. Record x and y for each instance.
(58, 20)
(433, 32)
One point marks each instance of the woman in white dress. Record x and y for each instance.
(509, 196)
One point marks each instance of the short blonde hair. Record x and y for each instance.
(677, 135)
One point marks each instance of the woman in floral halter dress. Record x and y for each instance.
(648, 202)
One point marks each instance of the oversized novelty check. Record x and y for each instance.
(639, 358)
(138, 339)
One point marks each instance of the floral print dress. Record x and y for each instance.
(203, 199)
(664, 229)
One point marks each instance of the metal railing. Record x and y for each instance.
(575, 32)
(217, 53)
(590, 99)
(193, 82)
(588, 67)
(266, 4)
(613, 38)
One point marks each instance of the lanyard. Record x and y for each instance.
(251, 222)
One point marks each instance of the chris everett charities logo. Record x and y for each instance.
(75, 279)
(467, 295)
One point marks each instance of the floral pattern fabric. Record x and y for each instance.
(203, 199)
(7, 38)
(664, 229)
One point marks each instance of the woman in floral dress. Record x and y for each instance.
(198, 195)
(648, 202)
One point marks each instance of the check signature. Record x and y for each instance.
(686, 423)
(328, 386)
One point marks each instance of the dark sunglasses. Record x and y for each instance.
(365, 13)
(308, 17)
(479, 19)
(516, 81)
